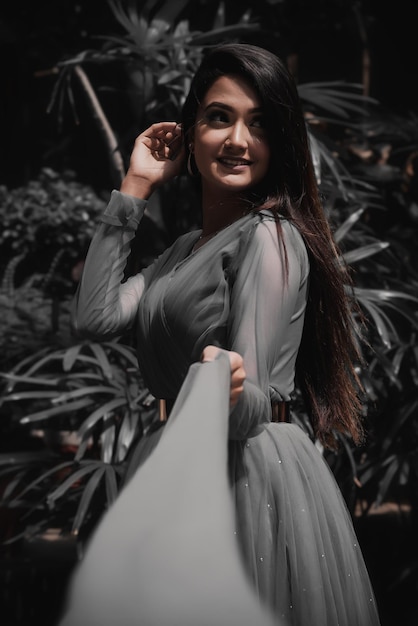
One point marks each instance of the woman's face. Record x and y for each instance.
(230, 142)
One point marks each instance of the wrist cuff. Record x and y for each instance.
(123, 211)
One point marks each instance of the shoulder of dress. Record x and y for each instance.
(268, 217)
(265, 215)
(290, 234)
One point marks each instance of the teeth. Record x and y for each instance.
(233, 162)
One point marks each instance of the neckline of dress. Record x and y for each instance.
(214, 235)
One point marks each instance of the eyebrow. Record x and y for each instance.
(222, 105)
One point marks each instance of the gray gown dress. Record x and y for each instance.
(233, 518)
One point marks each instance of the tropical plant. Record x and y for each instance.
(156, 53)
(47, 226)
(50, 213)
(32, 315)
(86, 406)
(355, 189)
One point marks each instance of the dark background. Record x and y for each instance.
(35, 35)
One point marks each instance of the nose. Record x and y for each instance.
(238, 136)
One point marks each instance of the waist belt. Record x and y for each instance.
(280, 411)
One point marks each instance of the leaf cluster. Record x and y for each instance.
(52, 213)
(87, 406)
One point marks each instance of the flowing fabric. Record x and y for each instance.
(244, 290)
(165, 554)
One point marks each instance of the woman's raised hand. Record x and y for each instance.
(238, 374)
(157, 157)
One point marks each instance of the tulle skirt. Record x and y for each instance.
(295, 532)
(207, 533)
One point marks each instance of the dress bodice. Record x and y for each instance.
(244, 290)
(184, 308)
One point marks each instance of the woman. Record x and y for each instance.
(256, 297)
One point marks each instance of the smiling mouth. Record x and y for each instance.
(228, 162)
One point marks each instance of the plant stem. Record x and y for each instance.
(117, 164)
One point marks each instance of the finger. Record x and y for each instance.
(159, 150)
(235, 394)
(172, 139)
(236, 361)
(156, 143)
(160, 130)
(158, 127)
(238, 377)
(164, 146)
(209, 354)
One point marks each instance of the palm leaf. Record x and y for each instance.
(70, 357)
(84, 391)
(364, 252)
(103, 360)
(43, 476)
(385, 295)
(57, 493)
(46, 360)
(63, 409)
(89, 490)
(128, 353)
(383, 324)
(126, 435)
(111, 484)
(47, 382)
(108, 437)
(13, 484)
(31, 395)
(370, 471)
(348, 224)
(98, 414)
(390, 475)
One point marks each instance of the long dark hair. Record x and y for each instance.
(329, 351)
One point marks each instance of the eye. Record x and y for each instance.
(259, 122)
(217, 117)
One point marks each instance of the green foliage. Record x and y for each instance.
(47, 226)
(31, 318)
(154, 57)
(54, 213)
(87, 406)
(380, 156)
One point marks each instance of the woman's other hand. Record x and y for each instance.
(157, 157)
(238, 374)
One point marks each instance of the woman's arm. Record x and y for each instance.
(104, 306)
(264, 301)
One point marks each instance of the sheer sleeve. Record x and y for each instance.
(268, 300)
(103, 306)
